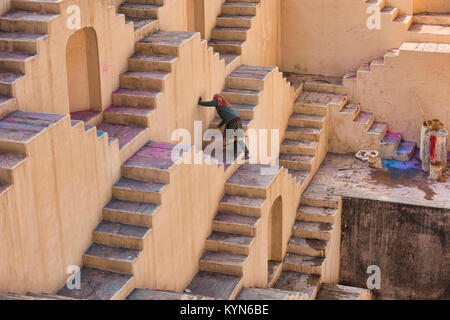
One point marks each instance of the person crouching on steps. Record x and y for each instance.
(229, 117)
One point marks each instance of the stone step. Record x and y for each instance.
(240, 8)
(153, 162)
(238, 21)
(230, 33)
(11, 61)
(365, 119)
(21, 41)
(229, 243)
(147, 295)
(432, 18)
(249, 77)
(268, 294)
(129, 212)
(317, 214)
(146, 99)
(91, 117)
(164, 42)
(405, 19)
(215, 285)
(241, 205)
(139, 10)
(351, 109)
(379, 128)
(7, 105)
(305, 147)
(308, 246)
(4, 187)
(232, 61)
(8, 163)
(100, 285)
(300, 175)
(144, 80)
(222, 262)
(138, 191)
(227, 46)
(22, 126)
(242, 96)
(26, 21)
(128, 116)
(303, 283)
(235, 224)
(390, 12)
(318, 198)
(120, 235)
(7, 82)
(111, 259)
(143, 27)
(251, 180)
(434, 32)
(34, 296)
(303, 133)
(296, 161)
(125, 134)
(303, 264)
(44, 6)
(389, 144)
(150, 62)
(405, 151)
(312, 230)
(330, 291)
(316, 103)
(306, 120)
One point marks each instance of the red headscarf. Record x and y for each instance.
(221, 100)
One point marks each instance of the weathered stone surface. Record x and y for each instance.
(125, 134)
(408, 242)
(10, 161)
(215, 285)
(339, 292)
(298, 282)
(97, 285)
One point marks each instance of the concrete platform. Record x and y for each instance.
(401, 182)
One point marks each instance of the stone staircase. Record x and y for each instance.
(110, 262)
(421, 27)
(229, 247)
(306, 137)
(310, 244)
(233, 25)
(143, 14)
(141, 90)
(324, 98)
(22, 33)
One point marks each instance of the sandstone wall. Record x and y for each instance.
(263, 43)
(49, 93)
(48, 216)
(409, 243)
(389, 90)
(431, 6)
(331, 38)
(5, 5)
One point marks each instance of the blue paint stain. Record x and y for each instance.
(100, 134)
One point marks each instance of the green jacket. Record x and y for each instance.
(227, 114)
